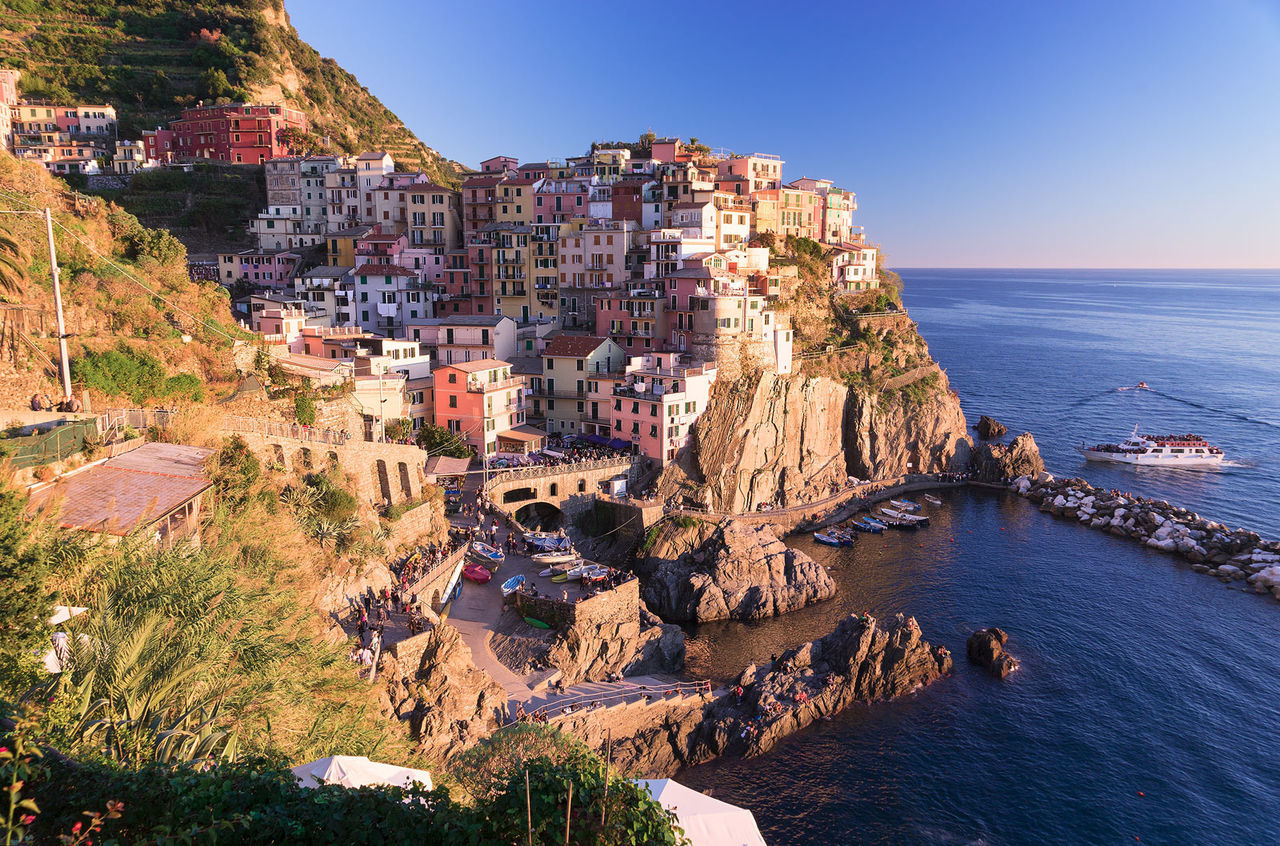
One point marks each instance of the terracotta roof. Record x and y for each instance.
(477, 365)
(572, 346)
(373, 269)
(524, 433)
(127, 491)
(443, 465)
(482, 181)
(424, 187)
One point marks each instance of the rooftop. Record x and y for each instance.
(572, 346)
(463, 320)
(477, 365)
(375, 269)
(128, 491)
(327, 271)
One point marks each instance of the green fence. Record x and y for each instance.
(60, 443)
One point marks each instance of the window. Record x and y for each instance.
(453, 378)
(453, 400)
(653, 431)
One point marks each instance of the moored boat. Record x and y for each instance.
(863, 526)
(1175, 451)
(932, 500)
(905, 504)
(904, 517)
(898, 524)
(831, 540)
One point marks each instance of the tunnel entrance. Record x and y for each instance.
(519, 495)
(540, 516)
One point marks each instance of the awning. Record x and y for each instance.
(523, 433)
(599, 440)
(705, 821)
(358, 771)
(619, 443)
(443, 465)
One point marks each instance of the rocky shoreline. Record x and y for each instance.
(1210, 547)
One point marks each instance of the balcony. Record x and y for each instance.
(475, 386)
(545, 392)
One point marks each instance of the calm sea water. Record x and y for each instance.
(1147, 705)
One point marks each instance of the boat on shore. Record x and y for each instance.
(549, 543)
(557, 557)
(512, 585)
(477, 573)
(489, 556)
(1173, 451)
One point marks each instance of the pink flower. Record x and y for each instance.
(75, 829)
(28, 819)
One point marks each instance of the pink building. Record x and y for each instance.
(657, 406)
(483, 403)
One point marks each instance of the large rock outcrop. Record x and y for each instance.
(985, 648)
(989, 428)
(785, 440)
(611, 633)
(733, 571)
(998, 462)
(432, 685)
(860, 661)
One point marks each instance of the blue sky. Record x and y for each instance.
(976, 134)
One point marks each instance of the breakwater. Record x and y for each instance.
(1210, 547)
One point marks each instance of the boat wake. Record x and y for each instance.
(1225, 412)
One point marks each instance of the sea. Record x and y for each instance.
(1147, 706)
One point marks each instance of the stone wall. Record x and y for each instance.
(425, 523)
(620, 603)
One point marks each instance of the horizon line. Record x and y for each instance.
(1063, 267)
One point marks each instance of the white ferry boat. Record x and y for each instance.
(1156, 450)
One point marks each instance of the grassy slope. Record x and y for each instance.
(148, 57)
(104, 307)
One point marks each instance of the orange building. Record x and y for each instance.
(484, 405)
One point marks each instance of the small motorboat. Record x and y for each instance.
(487, 555)
(595, 574)
(932, 500)
(863, 525)
(875, 521)
(574, 573)
(477, 573)
(512, 585)
(548, 544)
(904, 504)
(897, 524)
(558, 557)
(829, 539)
(904, 517)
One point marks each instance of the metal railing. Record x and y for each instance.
(62, 442)
(624, 692)
(280, 429)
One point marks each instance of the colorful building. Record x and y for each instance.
(482, 402)
(240, 133)
(577, 381)
(659, 401)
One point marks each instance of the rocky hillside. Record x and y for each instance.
(874, 410)
(151, 58)
(137, 321)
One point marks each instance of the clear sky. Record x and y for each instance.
(995, 133)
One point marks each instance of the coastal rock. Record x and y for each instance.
(1021, 457)
(990, 429)
(432, 686)
(860, 661)
(985, 648)
(791, 439)
(731, 571)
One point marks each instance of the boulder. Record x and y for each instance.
(985, 648)
(990, 429)
(1021, 457)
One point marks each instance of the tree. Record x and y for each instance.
(13, 264)
(304, 408)
(398, 429)
(438, 440)
(25, 599)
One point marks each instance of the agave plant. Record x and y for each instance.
(302, 499)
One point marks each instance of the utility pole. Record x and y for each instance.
(63, 359)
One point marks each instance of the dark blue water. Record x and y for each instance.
(1148, 700)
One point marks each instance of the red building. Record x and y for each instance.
(239, 133)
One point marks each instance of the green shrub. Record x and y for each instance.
(304, 409)
(138, 375)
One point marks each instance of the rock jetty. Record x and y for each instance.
(1211, 547)
(989, 428)
(985, 648)
(730, 571)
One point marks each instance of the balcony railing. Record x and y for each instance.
(477, 386)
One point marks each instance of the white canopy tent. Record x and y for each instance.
(706, 821)
(358, 771)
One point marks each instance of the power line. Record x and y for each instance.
(91, 248)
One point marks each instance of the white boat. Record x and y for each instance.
(904, 505)
(1156, 451)
(487, 555)
(903, 516)
(932, 500)
(554, 557)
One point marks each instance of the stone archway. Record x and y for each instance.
(539, 515)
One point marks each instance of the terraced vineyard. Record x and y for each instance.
(150, 58)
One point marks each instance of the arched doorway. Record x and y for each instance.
(540, 516)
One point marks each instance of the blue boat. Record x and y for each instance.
(832, 540)
(546, 544)
(867, 526)
(512, 585)
(905, 504)
(487, 555)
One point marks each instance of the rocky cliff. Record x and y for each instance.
(860, 661)
(998, 462)
(431, 685)
(728, 572)
(870, 413)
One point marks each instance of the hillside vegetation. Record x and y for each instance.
(150, 58)
(135, 317)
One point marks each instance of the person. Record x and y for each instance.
(738, 691)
